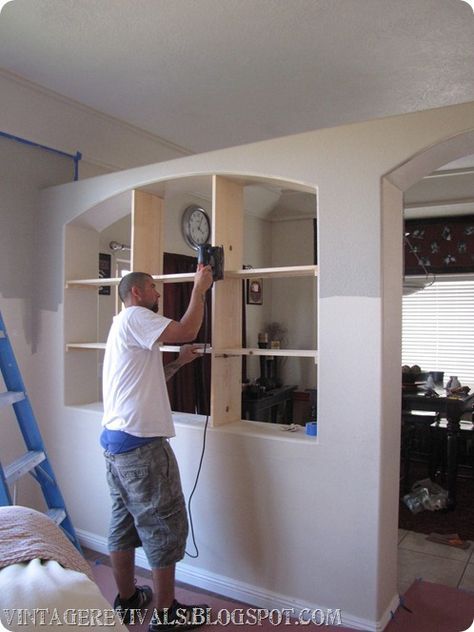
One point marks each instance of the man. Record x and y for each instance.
(148, 507)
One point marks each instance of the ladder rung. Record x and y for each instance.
(57, 515)
(33, 458)
(23, 465)
(11, 397)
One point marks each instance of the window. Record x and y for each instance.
(438, 329)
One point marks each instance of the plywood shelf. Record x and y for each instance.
(100, 346)
(286, 271)
(283, 272)
(97, 346)
(164, 278)
(295, 353)
(94, 283)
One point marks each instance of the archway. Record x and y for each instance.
(394, 185)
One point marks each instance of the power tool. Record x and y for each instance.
(212, 256)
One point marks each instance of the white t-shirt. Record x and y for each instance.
(134, 386)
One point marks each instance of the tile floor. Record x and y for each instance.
(437, 563)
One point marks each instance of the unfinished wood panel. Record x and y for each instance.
(284, 353)
(227, 220)
(267, 273)
(147, 233)
(84, 346)
(227, 224)
(164, 278)
(274, 273)
(147, 236)
(226, 391)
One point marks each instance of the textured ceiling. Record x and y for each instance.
(207, 74)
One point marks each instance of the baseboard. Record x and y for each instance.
(241, 591)
(92, 541)
(388, 614)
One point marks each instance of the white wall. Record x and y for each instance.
(107, 144)
(41, 116)
(287, 519)
(23, 171)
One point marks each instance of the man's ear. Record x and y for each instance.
(135, 292)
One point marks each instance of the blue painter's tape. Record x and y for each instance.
(75, 157)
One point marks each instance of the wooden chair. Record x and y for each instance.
(417, 444)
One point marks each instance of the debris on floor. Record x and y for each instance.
(451, 539)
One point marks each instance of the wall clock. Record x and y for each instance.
(196, 226)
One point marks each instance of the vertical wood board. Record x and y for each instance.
(147, 236)
(228, 220)
(227, 227)
(147, 233)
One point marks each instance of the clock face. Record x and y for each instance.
(196, 226)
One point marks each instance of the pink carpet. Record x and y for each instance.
(431, 608)
(434, 608)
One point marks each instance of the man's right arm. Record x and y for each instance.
(188, 327)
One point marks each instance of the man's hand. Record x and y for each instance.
(203, 278)
(188, 353)
(188, 327)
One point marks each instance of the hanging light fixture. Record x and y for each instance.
(3, 3)
(115, 245)
(411, 284)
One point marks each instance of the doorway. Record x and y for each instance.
(446, 189)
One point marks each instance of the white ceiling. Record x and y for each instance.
(206, 74)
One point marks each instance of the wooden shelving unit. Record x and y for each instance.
(147, 255)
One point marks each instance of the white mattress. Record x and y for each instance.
(38, 595)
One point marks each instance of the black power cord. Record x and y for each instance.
(195, 555)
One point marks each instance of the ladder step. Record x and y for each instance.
(57, 515)
(35, 456)
(11, 397)
(23, 465)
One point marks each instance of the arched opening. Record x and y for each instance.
(395, 185)
(277, 220)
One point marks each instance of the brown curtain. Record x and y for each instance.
(189, 389)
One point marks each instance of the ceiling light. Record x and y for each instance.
(3, 3)
(114, 245)
(470, 3)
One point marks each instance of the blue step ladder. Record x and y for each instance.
(35, 460)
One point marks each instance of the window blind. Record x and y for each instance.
(438, 329)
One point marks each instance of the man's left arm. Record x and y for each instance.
(187, 354)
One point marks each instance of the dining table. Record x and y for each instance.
(451, 407)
